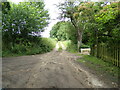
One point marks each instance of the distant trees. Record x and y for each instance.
(63, 31)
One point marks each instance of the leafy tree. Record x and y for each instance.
(109, 23)
(91, 27)
(5, 7)
(63, 31)
(23, 20)
(67, 10)
(80, 15)
(55, 28)
(103, 26)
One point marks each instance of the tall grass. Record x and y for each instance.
(70, 46)
(101, 67)
(42, 45)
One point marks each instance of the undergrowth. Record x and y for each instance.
(42, 45)
(101, 67)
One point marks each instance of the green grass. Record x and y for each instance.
(9, 54)
(101, 67)
(70, 46)
(42, 46)
(59, 43)
(65, 43)
(84, 46)
(60, 47)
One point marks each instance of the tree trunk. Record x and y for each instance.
(79, 32)
(79, 39)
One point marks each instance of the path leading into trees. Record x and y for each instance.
(51, 70)
(58, 45)
(63, 46)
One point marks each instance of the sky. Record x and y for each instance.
(53, 11)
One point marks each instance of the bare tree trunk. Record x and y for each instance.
(79, 39)
(79, 32)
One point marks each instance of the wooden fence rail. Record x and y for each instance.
(108, 53)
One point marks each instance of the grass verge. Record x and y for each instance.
(101, 67)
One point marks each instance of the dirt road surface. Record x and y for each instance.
(50, 70)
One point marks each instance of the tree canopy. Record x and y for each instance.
(63, 31)
(94, 21)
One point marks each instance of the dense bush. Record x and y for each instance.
(47, 44)
(23, 20)
(71, 47)
(63, 30)
(41, 46)
(84, 46)
(21, 25)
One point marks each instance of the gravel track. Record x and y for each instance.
(51, 70)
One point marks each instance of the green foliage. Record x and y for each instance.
(80, 16)
(94, 22)
(63, 31)
(60, 49)
(103, 24)
(71, 47)
(109, 22)
(53, 32)
(101, 67)
(107, 13)
(41, 45)
(65, 43)
(23, 20)
(84, 46)
(21, 23)
(5, 7)
(48, 44)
